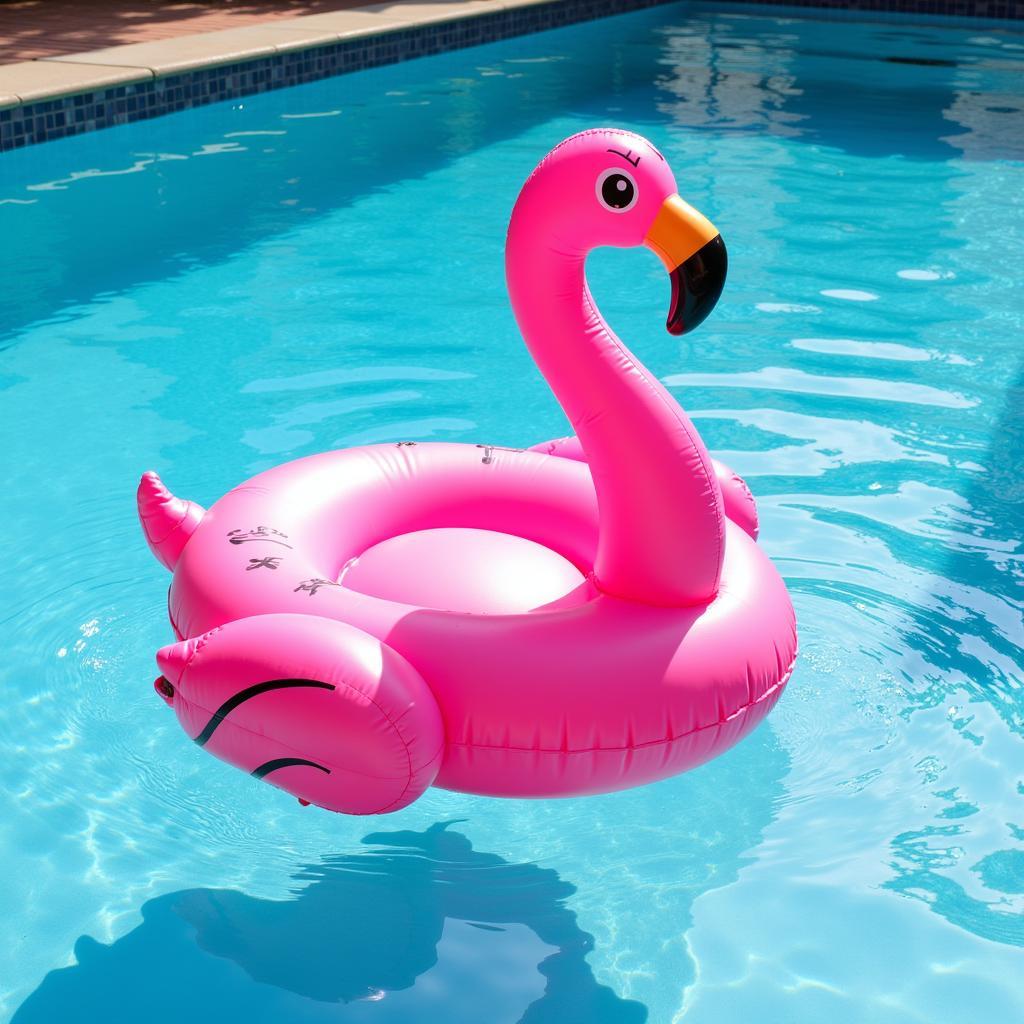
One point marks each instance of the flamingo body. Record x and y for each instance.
(582, 617)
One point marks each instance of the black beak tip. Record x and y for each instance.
(697, 286)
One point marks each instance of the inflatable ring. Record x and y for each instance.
(587, 615)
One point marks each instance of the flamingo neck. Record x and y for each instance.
(661, 534)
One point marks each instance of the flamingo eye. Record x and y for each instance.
(616, 190)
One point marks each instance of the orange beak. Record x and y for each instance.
(695, 256)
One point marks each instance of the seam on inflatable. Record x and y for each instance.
(200, 645)
(178, 527)
(704, 461)
(397, 800)
(155, 513)
(394, 725)
(582, 135)
(743, 709)
(170, 618)
(751, 501)
(158, 542)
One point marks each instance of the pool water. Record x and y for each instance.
(214, 292)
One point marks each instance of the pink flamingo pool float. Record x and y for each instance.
(587, 615)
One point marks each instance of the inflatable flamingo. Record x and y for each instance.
(577, 618)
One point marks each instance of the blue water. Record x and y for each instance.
(214, 292)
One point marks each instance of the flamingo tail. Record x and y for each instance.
(167, 521)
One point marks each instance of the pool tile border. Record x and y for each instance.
(981, 9)
(139, 92)
(60, 116)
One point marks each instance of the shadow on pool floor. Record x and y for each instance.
(423, 929)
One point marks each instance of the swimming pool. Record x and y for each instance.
(214, 292)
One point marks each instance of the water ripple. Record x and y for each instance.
(782, 378)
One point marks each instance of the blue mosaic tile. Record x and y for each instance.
(1012, 9)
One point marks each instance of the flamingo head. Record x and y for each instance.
(607, 186)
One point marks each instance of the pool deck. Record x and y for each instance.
(45, 51)
(32, 29)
